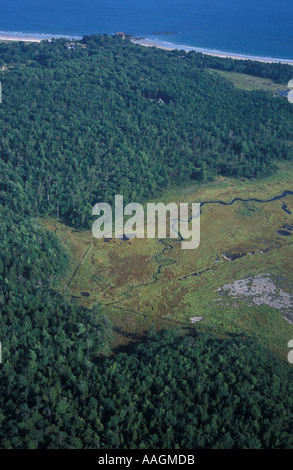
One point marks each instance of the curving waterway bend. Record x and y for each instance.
(162, 262)
(251, 199)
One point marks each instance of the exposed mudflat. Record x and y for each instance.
(260, 290)
(196, 319)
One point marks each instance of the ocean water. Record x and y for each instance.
(262, 28)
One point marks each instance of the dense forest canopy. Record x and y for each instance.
(170, 393)
(110, 117)
(79, 125)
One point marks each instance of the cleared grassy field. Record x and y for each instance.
(249, 82)
(143, 281)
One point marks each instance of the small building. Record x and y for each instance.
(121, 35)
(70, 46)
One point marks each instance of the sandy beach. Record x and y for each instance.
(152, 43)
(25, 38)
(31, 37)
(231, 55)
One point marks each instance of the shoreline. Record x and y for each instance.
(38, 37)
(31, 37)
(231, 55)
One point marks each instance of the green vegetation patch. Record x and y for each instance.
(145, 281)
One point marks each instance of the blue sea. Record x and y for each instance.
(262, 28)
